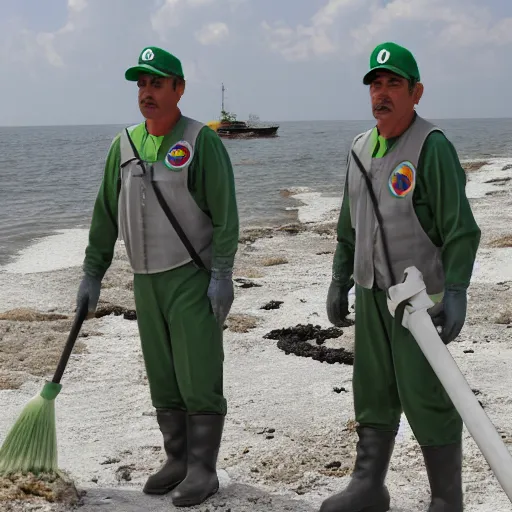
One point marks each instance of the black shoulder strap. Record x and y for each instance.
(377, 214)
(177, 227)
(165, 207)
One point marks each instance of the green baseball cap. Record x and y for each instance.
(394, 58)
(155, 61)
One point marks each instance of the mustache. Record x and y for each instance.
(383, 105)
(148, 101)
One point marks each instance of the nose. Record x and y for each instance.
(381, 94)
(143, 94)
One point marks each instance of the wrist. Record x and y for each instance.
(222, 273)
(223, 262)
(90, 277)
(92, 273)
(340, 278)
(455, 288)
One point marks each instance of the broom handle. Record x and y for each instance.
(80, 316)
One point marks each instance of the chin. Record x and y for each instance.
(149, 113)
(382, 115)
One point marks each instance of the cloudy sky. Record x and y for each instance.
(63, 61)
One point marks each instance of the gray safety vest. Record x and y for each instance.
(393, 180)
(151, 242)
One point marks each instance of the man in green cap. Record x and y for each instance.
(419, 187)
(168, 190)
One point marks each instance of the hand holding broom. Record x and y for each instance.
(89, 290)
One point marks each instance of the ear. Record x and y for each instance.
(418, 92)
(181, 88)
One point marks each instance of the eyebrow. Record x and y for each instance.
(389, 78)
(153, 80)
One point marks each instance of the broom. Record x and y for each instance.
(31, 444)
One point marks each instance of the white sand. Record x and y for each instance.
(62, 250)
(317, 208)
(104, 409)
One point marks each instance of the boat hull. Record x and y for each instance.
(233, 132)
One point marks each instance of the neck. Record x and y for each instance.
(395, 128)
(163, 126)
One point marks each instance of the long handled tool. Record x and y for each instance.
(31, 444)
(418, 321)
(411, 296)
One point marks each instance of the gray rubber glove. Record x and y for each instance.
(452, 315)
(337, 300)
(89, 290)
(221, 293)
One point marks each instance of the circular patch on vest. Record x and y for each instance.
(179, 155)
(402, 179)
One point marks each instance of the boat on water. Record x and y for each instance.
(229, 127)
(241, 129)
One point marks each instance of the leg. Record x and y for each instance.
(197, 344)
(201, 482)
(196, 340)
(171, 416)
(377, 410)
(376, 401)
(444, 470)
(173, 425)
(433, 418)
(156, 346)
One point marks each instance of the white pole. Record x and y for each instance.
(419, 322)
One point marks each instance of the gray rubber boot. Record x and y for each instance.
(173, 425)
(444, 470)
(366, 491)
(204, 437)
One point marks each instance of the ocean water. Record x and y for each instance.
(50, 175)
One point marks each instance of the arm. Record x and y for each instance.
(343, 261)
(342, 265)
(215, 180)
(445, 181)
(104, 229)
(216, 174)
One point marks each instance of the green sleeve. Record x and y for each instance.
(215, 177)
(104, 229)
(444, 182)
(343, 262)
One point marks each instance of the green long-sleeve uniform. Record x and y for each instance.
(180, 337)
(391, 373)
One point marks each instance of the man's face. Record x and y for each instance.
(391, 98)
(157, 96)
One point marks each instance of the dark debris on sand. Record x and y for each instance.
(246, 283)
(273, 304)
(111, 309)
(296, 340)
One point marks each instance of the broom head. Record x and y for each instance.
(31, 444)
